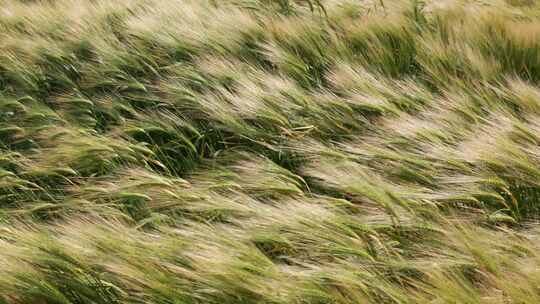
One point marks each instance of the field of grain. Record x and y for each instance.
(269, 151)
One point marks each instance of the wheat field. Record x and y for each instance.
(269, 151)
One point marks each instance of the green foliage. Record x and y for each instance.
(260, 151)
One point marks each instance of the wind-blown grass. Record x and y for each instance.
(255, 151)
